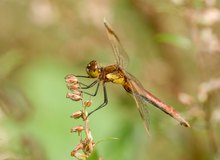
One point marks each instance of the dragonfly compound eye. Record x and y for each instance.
(92, 69)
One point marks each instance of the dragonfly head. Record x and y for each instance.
(92, 69)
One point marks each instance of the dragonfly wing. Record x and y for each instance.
(142, 108)
(141, 103)
(121, 56)
(147, 97)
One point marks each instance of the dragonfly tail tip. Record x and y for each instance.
(186, 124)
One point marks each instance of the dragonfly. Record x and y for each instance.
(117, 74)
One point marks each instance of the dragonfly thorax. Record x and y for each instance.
(93, 69)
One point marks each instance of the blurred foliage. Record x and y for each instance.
(173, 47)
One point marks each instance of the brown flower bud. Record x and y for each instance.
(77, 129)
(76, 149)
(78, 92)
(71, 79)
(77, 115)
(88, 103)
(72, 86)
(74, 97)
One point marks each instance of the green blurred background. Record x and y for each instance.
(174, 51)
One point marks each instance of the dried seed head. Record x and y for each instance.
(88, 146)
(74, 97)
(87, 149)
(77, 129)
(88, 143)
(71, 79)
(77, 115)
(80, 156)
(76, 149)
(88, 103)
(78, 92)
(91, 147)
(73, 86)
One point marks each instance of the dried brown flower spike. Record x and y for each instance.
(86, 145)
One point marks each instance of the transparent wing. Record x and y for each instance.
(121, 56)
(141, 103)
(142, 108)
(142, 97)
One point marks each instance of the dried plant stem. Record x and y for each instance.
(87, 144)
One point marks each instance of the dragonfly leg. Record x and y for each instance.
(96, 91)
(88, 86)
(104, 103)
(83, 76)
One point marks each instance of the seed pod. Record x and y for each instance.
(72, 86)
(77, 129)
(74, 97)
(88, 103)
(76, 149)
(76, 115)
(78, 92)
(71, 79)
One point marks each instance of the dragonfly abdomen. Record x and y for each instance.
(165, 108)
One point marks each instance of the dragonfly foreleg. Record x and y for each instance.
(79, 76)
(88, 86)
(96, 91)
(82, 76)
(105, 100)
